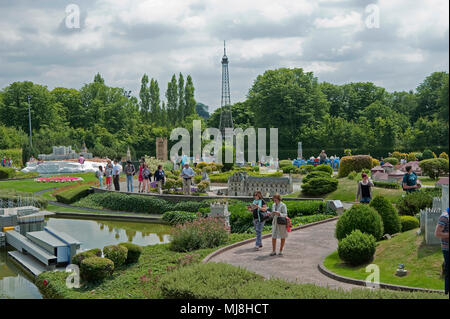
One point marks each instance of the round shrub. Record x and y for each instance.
(388, 213)
(315, 174)
(362, 217)
(324, 168)
(319, 186)
(78, 258)
(354, 163)
(289, 169)
(179, 217)
(116, 253)
(409, 222)
(133, 253)
(427, 154)
(357, 248)
(411, 157)
(412, 203)
(284, 163)
(202, 186)
(434, 167)
(375, 162)
(353, 175)
(96, 269)
(305, 169)
(394, 161)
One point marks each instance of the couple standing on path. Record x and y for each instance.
(280, 221)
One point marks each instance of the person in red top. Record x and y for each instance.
(141, 178)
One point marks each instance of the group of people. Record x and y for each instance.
(281, 224)
(7, 162)
(111, 173)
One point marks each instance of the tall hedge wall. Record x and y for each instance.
(354, 163)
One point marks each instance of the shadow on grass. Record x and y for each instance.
(425, 250)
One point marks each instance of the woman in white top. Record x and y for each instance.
(278, 230)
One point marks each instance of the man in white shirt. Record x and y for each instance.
(187, 173)
(116, 175)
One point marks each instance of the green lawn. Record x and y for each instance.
(422, 262)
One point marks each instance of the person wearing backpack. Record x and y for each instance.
(258, 208)
(410, 182)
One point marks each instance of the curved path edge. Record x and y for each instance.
(241, 243)
(358, 282)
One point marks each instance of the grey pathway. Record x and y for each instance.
(304, 250)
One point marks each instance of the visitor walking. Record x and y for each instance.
(258, 208)
(116, 175)
(146, 175)
(3, 162)
(159, 178)
(108, 174)
(141, 178)
(410, 182)
(81, 159)
(442, 233)
(129, 172)
(99, 175)
(279, 224)
(187, 173)
(364, 193)
(322, 157)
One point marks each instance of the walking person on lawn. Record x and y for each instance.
(279, 224)
(130, 171)
(364, 193)
(258, 208)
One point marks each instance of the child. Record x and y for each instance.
(108, 174)
(100, 176)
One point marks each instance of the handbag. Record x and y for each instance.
(281, 220)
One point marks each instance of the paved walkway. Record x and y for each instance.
(304, 250)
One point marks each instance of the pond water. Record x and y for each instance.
(14, 283)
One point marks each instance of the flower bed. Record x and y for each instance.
(58, 179)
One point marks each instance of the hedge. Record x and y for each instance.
(388, 213)
(362, 217)
(413, 202)
(78, 258)
(315, 174)
(304, 208)
(390, 185)
(409, 222)
(116, 253)
(434, 167)
(95, 269)
(284, 163)
(133, 252)
(324, 168)
(73, 195)
(357, 248)
(319, 186)
(354, 163)
(7, 172)
(179, 217)
(38, 201)
(15, 154)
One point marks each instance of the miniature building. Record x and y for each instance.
(220, 210)
(388, 167)
(64, 153)
(241, 184)
(414, 165)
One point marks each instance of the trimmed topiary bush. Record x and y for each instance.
(78, 258)
(73, 195)
(411, 157)
(394, 161)
(375, 162)
(434, 167)
(289, 169)
(390, 185)
(305, 208)
(324, 168)
(319, 186)
(7, 172)
(413, 202)
(427, 154)
(133, 252)
(362, 217)
(305, 169)
(388, 213)
(116, 253)
(409, 222)
(357, 248)
(179, 217)
(315, 174)
(94, 269)
(354, 163)
(284, 163)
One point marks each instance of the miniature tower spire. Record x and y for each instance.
(226, 118)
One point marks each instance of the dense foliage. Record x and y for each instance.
(413, 202)
(388, 213)
(116, 253)
(94, 269)
(179, 217)
(357, 248)
(409, 222)
(355, 163)
(362, 217)
(133, 252)
(434, 167)
(317, 186)
(72, 195)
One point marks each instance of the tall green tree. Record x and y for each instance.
(144, 95)
(189, 97)
(155, 102)
(428, 93)
(172, 101)
(181, 100)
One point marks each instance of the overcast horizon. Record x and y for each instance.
(124, 39)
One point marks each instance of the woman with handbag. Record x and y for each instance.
(279, 224)
(258, 208)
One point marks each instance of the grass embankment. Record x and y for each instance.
(423, 262)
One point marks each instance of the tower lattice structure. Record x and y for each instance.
(226, 118)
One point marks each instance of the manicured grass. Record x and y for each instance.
(427, 180)
(422, 262)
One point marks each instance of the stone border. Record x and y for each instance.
(128, 218)
(241, 243)
(358, 282)
(173, 197)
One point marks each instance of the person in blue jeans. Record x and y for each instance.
(130, 171)
(442, 233)
(258, 208)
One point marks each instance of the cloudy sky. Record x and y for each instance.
(338, 40)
